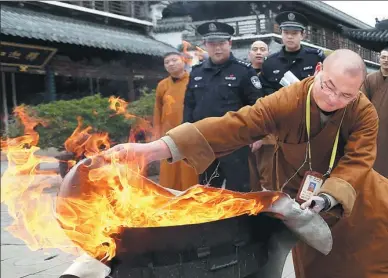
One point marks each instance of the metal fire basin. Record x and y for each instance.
(229, 248)
(242, 246)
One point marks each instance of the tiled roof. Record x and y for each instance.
(335, 13)
(372, 38)
(41, 25)
(172, 24)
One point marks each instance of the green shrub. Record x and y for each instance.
(62, 119)
(144, 106)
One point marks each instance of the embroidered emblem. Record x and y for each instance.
(230, 77)
(212, 27)
(256, 82)
(307, 68)
(291, 16)
(276, 71)
(197, 78)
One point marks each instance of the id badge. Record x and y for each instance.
(311, 184)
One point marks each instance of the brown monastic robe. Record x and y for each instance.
(376, 89)
(168, 113)
(360, 221)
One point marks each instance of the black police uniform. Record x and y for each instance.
(301, 63)
(212, 91)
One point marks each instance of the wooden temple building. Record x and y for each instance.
(374, 39)
(255, 20)
(53, 50)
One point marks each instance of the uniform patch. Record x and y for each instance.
(307, 68)
(256, 82)
(230, 77)
(197, 78)
(276, 71)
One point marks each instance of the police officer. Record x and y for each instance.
(294, 57)
(219, 84)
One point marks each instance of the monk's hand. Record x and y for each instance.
(316, 204)
(146, 152)
(256, 146)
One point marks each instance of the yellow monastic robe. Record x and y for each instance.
(359, 223)
(168, 113)
(376, 89)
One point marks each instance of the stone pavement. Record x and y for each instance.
(18, 261)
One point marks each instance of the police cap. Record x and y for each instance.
(215, 31)
(291, 21)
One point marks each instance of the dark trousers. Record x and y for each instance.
(233, 168)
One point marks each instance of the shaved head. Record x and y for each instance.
(339, 80)
(259, 44)
(384, 60)
(257, 53)
(345, 61)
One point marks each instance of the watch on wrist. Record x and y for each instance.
(327, 202)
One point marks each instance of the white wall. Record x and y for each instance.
(173, 38)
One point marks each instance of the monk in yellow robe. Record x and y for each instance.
(376, 89)
(328, 113)
(168, 113)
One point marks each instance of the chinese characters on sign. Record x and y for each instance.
(24, 56)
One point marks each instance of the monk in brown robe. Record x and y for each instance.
(353, 198)
(168, 113)
(376, 89)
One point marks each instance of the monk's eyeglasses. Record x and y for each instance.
(339, 96)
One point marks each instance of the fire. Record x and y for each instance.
(192, 57)
(100, 198)
(81, 142)
(187, 57)
(30, 137)
(120, 107)
(22, 190)
(141, 125)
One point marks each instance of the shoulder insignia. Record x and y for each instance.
(315, 51)
(321, 53)
(244, 63)
(272, 55)
(197, 64)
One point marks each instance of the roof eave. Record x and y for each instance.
(337, 14)
(101, 13)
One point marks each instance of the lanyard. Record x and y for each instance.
(335, 146)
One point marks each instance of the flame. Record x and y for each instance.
(120, 107)
(81, 142)
(187, 58)
(192, 58)
(30, 137)
(22, 190)
(141, 125)
(84, 143)
(200, 53)
(104, 197)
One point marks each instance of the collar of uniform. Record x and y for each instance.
(209, 65)
(299, 56)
